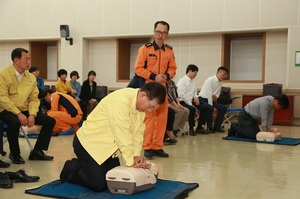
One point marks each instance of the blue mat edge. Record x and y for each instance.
(180, 195)
(235, 138)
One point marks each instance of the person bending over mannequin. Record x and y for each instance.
(260, 108)
(116, 126)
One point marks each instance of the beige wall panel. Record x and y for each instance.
(117, 17)
(90, 17)
(69, 59)
(65, 12)
(40, 16)
(279, 13)
(143, 15)
(206, 15)
(294, 45)
(205, 52)
(16, 19)
(276, 57)
(241, 14)
(2, 19)
(102, 59)
(5, 51)
(176, 14)
(181, 47)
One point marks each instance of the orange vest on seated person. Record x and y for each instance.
(66, 111)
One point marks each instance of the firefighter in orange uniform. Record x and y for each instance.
(65, 110)
(156, 62)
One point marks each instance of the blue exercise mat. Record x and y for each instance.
(164, 189)
(283, 141)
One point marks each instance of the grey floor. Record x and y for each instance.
(223, 169)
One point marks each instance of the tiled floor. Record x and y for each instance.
(223, 169)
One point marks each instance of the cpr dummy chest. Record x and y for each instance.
(268, 136)
(129, 180)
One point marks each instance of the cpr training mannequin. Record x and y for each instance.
(268, 136)
(129, 180)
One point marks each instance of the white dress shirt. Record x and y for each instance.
(186, 89)
(212, 86)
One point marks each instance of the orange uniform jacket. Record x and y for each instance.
(152, 60)
(65, 119)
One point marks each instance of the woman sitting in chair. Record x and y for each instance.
(88, 91)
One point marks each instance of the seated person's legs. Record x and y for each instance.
(2, 164)
(44, 137)
(13, 128)
(206, 113)
(192, 110)
(170, 122)
(219, 119)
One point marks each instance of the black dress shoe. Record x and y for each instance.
(39, 155)
(66, 170)
(201, 131)
(21, 176)
(148, 153)
(169, 141)
(4, 164)
(160, 153)
(192, 132)
(211, 131)
(16, 159)
(219, 130)
(231, 132)
(5, 182)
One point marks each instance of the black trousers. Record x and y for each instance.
(192, 113)
(247, 126)
(1, 136)
(171, 118)
(13, 129)
(89, 173)
(206, 113)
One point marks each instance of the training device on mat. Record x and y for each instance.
(268, 136)
(129, 180)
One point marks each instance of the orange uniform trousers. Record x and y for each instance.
(64, 121)
(156, 122)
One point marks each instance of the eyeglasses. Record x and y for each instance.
(161, 33)
(151, 106)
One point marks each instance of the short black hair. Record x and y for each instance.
(155, 90)
(74, 73)
(191, 67)
(163, 23)
(283, 101)
(223, 68)
(91, 73)
(17, 53)
(33, 68)
(62, 72)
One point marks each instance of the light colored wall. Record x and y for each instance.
(196, 28)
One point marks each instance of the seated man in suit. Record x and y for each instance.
(19, 105)
(64, 109)
(208, 97)
(187, 92)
